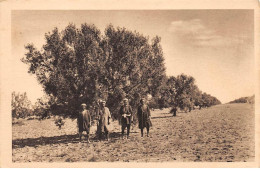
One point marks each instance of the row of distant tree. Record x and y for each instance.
(22, 107)
(250, 100)
(82, 65)
(182, 92)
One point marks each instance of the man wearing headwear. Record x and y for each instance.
(103, 120)
(84, 121)
(144, 117)
(126, 115)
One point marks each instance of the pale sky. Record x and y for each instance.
(216, 47)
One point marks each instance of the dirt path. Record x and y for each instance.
(220, 133)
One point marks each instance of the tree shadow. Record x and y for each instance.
(63, 139)
(66, 139)
(34, 142)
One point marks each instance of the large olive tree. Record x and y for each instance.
(79, 65)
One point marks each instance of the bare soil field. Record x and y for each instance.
(223, 133)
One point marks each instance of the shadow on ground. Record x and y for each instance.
(63, 139)
(34, 142)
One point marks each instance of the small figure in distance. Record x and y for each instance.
(174, 110)
(126, 115)
(84, 121)
(144, 117)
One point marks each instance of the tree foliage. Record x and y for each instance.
(21, 105)
(182, 92)
(42, 107)
(250, 100)
(80, 65)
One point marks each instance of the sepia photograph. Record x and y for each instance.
(133, 86)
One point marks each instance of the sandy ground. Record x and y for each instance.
(223, 133)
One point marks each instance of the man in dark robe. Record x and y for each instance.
(144, 117)
(126, 115)
(84, 121)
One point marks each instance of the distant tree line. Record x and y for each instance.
(250, 100)
(181, 92)
(22, 107)
(81, 65)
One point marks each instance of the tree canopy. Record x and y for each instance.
(82, 65)
(182, 92)
(79, 65)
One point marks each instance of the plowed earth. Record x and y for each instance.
(223, 133)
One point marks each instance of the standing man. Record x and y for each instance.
(84, 120)
(126, 115)
(104, 117)
(144, 117)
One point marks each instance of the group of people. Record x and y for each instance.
(104, 117)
